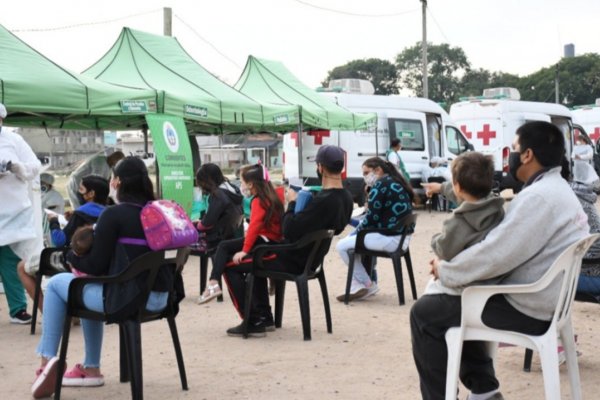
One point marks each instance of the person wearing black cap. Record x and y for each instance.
(330, 209)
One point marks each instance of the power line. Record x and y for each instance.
(207, 42)
(355, 14)
(438, 25)
(107, 21)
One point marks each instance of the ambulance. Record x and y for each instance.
(423, 127)
(490, 122)
(588, 117)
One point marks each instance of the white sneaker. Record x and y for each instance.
(371, 290)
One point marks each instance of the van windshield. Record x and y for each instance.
(455, 140)
(410, 133)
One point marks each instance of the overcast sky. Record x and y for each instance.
(311, 37)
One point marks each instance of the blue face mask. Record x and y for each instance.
(245, 191)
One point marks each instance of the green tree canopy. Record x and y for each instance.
(475, 80)
(381, 73)
(446, 66)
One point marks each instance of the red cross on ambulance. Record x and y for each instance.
(486, 134)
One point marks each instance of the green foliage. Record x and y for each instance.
(381, 73)
(446, 66)
(451, 76)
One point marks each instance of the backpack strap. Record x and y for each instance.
(132, 241)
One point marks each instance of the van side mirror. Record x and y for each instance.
(470, 147)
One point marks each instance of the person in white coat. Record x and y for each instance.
(19, 167)
(583, 170)
(98, 164)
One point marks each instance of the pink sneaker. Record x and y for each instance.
(77, 376)
(45, 380)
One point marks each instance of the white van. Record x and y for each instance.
(589, 118)
(490, 123)
(423, 127)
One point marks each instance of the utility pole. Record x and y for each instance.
(424, 50)
(167, 21)
(556, 93)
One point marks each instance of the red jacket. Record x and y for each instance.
(257, 228)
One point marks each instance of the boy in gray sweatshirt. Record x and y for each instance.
(479, 211)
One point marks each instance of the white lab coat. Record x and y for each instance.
(16, 212)
(583, 171)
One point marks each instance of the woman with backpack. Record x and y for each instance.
(266, 210)
(224, 215)
(107, 257)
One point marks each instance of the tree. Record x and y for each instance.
(579, 81)
(474, 81)
(446, 65)
(381, 73)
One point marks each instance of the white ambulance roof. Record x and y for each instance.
(586, 115)
(379, 102)
(467, 109)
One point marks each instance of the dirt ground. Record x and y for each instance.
(367, 356)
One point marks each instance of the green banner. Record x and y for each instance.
(174, 157)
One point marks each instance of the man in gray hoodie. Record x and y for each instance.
(542, 221)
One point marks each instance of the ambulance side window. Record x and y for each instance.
(410, 133)
(456, 141)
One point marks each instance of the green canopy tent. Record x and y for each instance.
(39, 93)
(144, 60)
(271, 82)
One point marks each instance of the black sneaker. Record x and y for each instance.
(255, 329)
(21, 318)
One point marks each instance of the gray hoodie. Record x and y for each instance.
(540, 223)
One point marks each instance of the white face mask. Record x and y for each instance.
(245, 191)
(370, 179)
(112, 191)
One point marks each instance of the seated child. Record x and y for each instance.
(479, 211)
(81, 243)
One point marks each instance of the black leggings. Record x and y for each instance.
(225, 252)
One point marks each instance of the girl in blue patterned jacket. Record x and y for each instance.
(390, 199)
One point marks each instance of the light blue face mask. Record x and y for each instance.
(245, 191)
(370, 179)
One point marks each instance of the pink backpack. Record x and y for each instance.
(167, 226)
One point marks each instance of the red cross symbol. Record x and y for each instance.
(486, 134)
(319, 135)
(596, 134)
(464, 130)
(294, 137)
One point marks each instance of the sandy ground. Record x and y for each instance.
(367, 356)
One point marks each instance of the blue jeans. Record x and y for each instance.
(55, 309)
(589, 284)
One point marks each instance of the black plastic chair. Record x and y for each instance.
(437, 202)
(406, 226)
(52, 262)
(316, 245)
(130, 328)
(579, 296)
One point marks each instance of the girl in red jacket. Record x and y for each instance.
(264, 227)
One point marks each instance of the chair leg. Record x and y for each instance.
(527, 360)
(36, 301)
(248, 303)
(549, 359)
(178, 352)
(302, 286)
(62, 357)
(568, 343)
(279, 300)
(399, 283)
(124, 357)
(132, 330)
(203, 272)
(411, 275)
(323, 284)
(454, 343)
(349, 278)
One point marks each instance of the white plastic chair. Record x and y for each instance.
(473, 301)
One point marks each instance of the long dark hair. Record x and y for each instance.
(209, 177)
(99, 185)
(136, 186)
(265, 191)
(390, 169)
